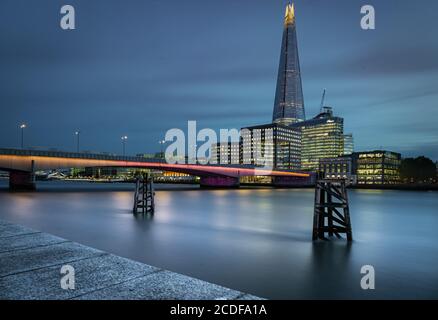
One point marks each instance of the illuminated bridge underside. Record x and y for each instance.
(20, 162)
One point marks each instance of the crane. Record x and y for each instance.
(322, 100)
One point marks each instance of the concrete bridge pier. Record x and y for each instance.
(219, 182)
(22, 180)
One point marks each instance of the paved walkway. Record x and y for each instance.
(31, 261)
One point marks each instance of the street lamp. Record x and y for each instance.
(124, 138)
(77, 134)
(22, 127)
(162, 142)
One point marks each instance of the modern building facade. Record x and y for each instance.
(225, 153)
(289, 101)
(321, 137)
(272, 145)
(377, 167)
(348, 144)
(101, 172)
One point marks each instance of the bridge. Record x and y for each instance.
(22, 164)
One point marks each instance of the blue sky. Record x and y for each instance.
(139, 68)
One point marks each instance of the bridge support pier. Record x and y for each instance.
(20, 180)
(219, 182)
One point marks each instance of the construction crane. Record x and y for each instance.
(322, 101)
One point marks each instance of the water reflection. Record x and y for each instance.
(257, 241)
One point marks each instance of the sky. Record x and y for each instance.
(141, 67)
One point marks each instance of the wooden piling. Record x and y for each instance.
(144, 194)
(332, 213)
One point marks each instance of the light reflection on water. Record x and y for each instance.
(257, 241)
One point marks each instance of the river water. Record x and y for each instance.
(253, 240)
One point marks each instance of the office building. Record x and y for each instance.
(321, 137)
(377, 167)
(342, 168)
(225, 153)
(272, 145)
(348, 144)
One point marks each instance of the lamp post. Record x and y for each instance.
(22, 127)
(77, 134)
(162, 142)
(124, 138)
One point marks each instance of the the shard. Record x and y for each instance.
(289, 102)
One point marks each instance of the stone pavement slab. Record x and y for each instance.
(30, 269)
(27, 241)
(164, 285)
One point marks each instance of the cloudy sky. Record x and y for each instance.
(139, 68)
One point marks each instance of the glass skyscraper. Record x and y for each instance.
(272, 145)
(289, 102)
(348, 144)
(322, 137)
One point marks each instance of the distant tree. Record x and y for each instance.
(417, 170)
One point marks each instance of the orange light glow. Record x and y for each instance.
(16, 162)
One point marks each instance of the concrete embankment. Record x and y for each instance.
(31, 262)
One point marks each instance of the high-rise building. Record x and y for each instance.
(272, 145)
(289, 101)
(225, 153)
(321, 137)
(348, 144)
(377, 167)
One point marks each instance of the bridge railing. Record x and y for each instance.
(77, 155)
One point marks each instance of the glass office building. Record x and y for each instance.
(273, 145)
(289, 102)
(321, 137)
(348, 144)
(377, 167)
(225, 153)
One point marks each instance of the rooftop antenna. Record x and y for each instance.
(322, 101)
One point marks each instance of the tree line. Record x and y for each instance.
(418, 170)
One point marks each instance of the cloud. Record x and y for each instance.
(379, 61)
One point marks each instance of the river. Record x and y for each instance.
(253, 240)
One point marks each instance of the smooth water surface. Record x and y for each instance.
(253, 240)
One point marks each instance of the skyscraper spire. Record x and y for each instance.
(289, 16)
(289, 102)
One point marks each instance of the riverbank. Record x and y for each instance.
(407, 187)
(31, 262)
(195, 186)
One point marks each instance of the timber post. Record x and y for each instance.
(332, 212)
(144, 194)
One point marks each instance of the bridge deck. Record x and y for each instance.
(30, 264)
(95, 156)
(21, 160)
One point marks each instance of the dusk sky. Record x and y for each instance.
(139, 68)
